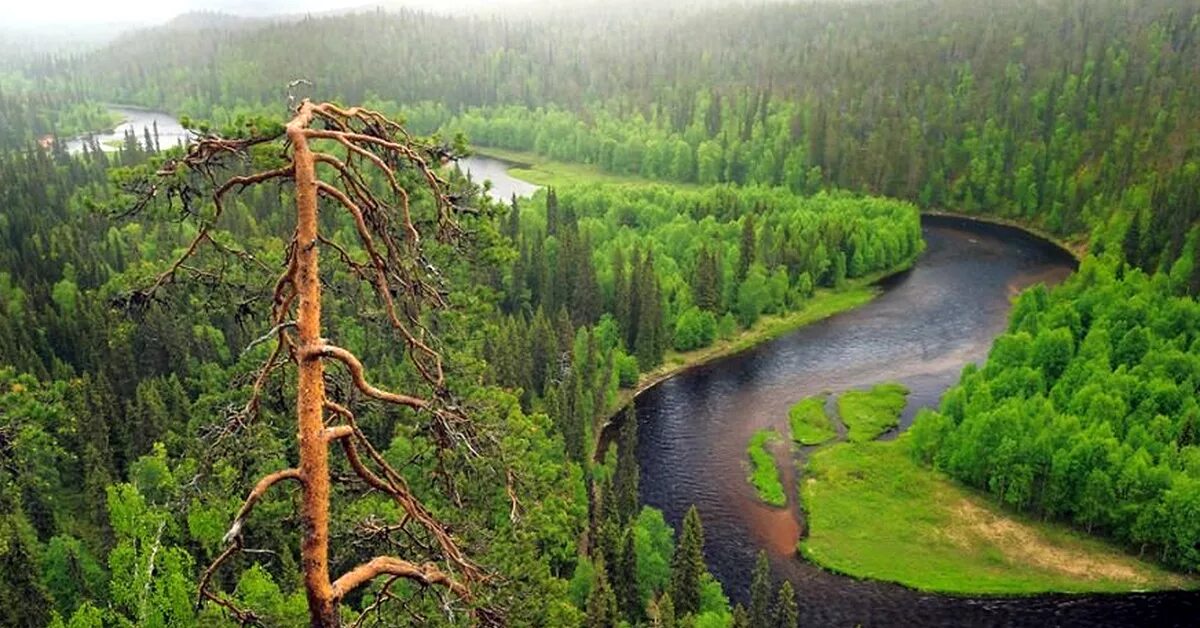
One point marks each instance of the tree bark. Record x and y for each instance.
(314, 455)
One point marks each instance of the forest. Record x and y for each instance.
(783, 153)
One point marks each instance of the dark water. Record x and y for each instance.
(929, 322)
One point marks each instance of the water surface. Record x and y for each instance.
(504, 186)
(928, 323)
(164, 129)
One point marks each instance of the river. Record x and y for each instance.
(169, 131)
(503, 186)
(928, 323)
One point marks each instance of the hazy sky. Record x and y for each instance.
(99, 11)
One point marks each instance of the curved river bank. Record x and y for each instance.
(928, 323)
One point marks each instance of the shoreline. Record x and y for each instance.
(858, 292)
(1048, 561)
(1077, 250)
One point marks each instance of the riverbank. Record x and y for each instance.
(538, 170)
(1076, 249)
(823, 304)
(534, 168)
(874, 513)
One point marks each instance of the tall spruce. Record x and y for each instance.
(622, 307)
(624, 578)
(601, 602)
(760, 592)
(552, 222)
(512, 227)
(746, 249)
(740, 618)
(650, 341)
(706, 288)
(787, 615)
(625, 478)
(687, 566)
(664, 612)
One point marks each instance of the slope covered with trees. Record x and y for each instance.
(1076, 116)
(767, 125)
(1087, 410)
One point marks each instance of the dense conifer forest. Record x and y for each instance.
(777, 155)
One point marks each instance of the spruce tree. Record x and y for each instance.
(636, 281)
(512, 227)
(551, 212)
(585, 292)
(747, 252)
(601, 602)
(687, 566)
(665, 612)
(786, 612)
(740, 618)
(650, 341)
(625, 479)
(1131, 246)
(760, 592)
(621, 305)
(624, 579)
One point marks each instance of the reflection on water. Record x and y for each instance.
(927, 325)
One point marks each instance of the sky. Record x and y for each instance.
(154, 11)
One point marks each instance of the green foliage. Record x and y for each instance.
(786, 613)
(654, 541)
(72, 574)
(1095, 420)
(695, 329)
(687, 566)
(764, 475)
(809, 422)
(602, 611)
(873, 512)
(760, 592)
(869, 413)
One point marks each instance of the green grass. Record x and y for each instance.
(546, 172)
(869, 413)
(810, 424)
(764, 475)
(874, 513)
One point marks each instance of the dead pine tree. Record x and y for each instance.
(361, 152)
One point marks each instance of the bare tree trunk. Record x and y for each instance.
(314, 454)
(365, 136)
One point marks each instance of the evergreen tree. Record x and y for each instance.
(747, 247)
(760, 592)
(740, 618)
(601, 602)
(706, 285)
(625, 478)
(585, 290)
(650, 342)
(665, 612)
(687, 566)
(786, 612)
(622, 307)
(1131, 246)
(624, 579)
(512, 227)
(552, 222)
